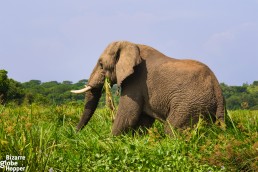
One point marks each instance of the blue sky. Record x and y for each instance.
(57, 40)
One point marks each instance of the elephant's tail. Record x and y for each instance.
(221, 110)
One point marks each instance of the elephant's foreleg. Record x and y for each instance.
(127, 116)
(92, 99)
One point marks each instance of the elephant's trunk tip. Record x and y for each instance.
(87, 88)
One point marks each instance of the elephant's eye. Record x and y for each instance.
(101, 65)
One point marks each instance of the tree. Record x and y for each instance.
(50, 84)
(81, 83)
(67, 82)
(233, 103)
(15, 91)
(255, 83)
(4, 86)
(32, 83)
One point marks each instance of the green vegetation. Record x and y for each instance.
(37, 120)
(241, 97)
(53, 92)
(35, 91)
(46, 136)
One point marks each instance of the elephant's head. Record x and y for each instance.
(117, 62)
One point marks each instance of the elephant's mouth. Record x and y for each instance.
(87, 88)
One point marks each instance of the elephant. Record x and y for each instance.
(177, 92)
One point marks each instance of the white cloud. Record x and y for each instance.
(233, 53)
(218, 41)
(235, 37)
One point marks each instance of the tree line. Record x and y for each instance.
(53, 92)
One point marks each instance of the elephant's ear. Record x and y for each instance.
(128, 58)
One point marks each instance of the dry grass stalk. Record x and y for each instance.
(109, 98)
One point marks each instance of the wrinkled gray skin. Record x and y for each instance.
(154, 86)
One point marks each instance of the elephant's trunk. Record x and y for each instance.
(93, 93)
(92, 98)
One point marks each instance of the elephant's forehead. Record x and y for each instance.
(109, 51)
(108, 59)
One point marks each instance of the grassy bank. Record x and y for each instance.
(46, 137)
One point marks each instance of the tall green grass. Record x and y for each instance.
(47, 137)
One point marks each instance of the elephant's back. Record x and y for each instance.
(179, 71)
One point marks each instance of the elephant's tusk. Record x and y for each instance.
(87, 88)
